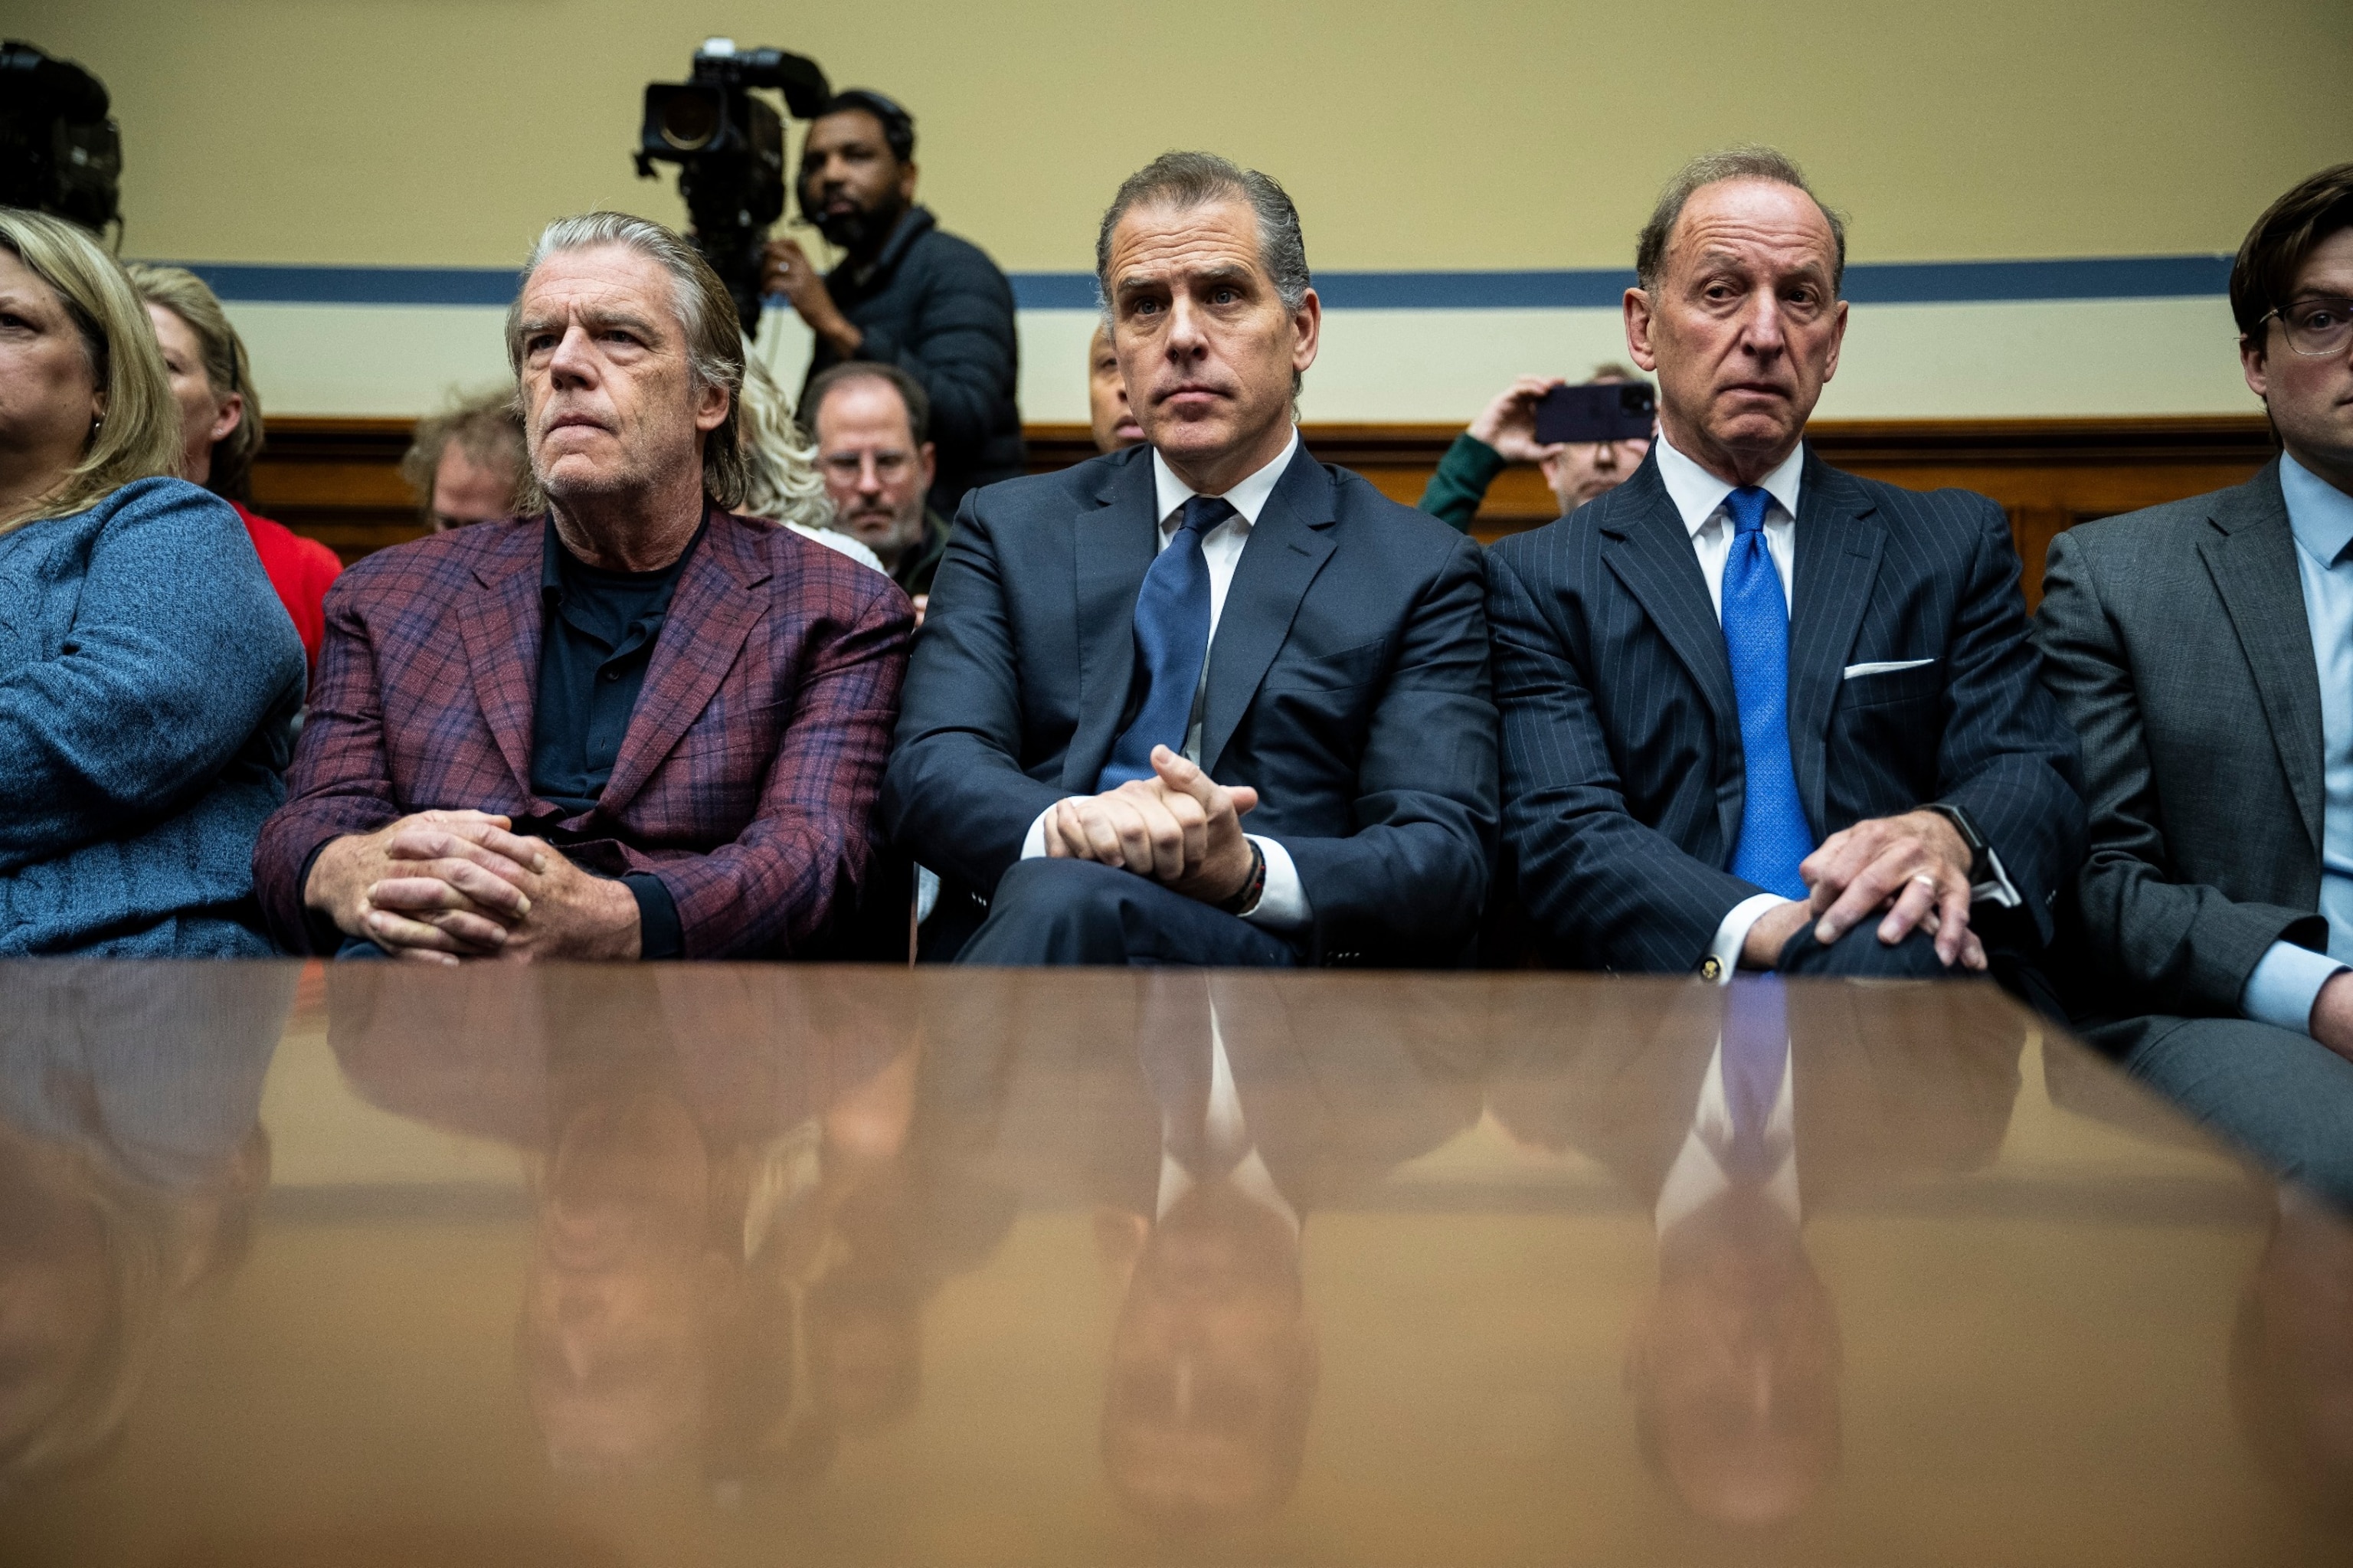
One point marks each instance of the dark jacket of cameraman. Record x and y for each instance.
(936, 307)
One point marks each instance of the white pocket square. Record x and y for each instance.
(1885, 667)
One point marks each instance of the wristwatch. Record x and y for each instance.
(1980, 857)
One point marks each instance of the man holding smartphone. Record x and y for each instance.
(1505, 433)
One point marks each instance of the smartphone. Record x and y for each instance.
(1598, 411)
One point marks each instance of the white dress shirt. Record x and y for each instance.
(1227, 1135)
(1697, 1177)
(2287, 981)
(1699, 498)
(1283, 907)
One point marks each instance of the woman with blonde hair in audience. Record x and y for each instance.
(149, 678)
(782, 483)
(221, 431)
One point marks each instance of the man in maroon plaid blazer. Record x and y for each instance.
(638, 726)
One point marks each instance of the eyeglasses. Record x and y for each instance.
(2316, 326)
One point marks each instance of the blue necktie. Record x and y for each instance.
(1172, 639)
(1756, 1051)
(1774, 836)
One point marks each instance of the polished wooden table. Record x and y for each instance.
(785, 1266)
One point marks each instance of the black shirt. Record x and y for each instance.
(595, 643)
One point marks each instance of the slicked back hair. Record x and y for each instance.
(1184, 180)
(1747, 163)
(2276, 248)
(714, 340)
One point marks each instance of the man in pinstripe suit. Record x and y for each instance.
(1755, 711)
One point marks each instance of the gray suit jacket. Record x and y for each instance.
(2174, 639)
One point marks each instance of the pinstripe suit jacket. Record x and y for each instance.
(1623, 777)
(747, 779)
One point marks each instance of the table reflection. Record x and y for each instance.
(131, 1157)
(1734, 1118)
(719, 1270)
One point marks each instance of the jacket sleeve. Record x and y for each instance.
(954, 793)
(803, 856)
(340, 782)
(2006, 756)
(2177, 948)
(177, 654)
(1599, 884)
(1455, 491)
(961, 346)
(1414, 873)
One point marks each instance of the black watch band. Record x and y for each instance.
(1980, 857)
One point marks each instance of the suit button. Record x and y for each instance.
(1710, 970)
(612, 674)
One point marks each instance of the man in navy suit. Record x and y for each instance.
(1751, 704)
(1124, 660)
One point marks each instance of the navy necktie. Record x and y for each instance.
(1774, 836)
(1172, 639)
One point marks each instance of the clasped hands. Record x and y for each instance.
(1179, 827)
(1913, 868)
(439, 886)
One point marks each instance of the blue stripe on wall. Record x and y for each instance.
(1869, 283)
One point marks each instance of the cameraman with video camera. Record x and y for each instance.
(905, 293)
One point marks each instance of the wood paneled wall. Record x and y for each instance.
(337, 480)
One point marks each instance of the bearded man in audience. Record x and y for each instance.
(637, 725)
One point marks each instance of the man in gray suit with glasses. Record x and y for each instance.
(2205, 650)
(1757, 711)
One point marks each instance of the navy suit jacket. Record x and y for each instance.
(1623, 777)
(1347, 683)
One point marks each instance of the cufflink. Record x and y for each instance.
(1710, 969)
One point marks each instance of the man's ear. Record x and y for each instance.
(929, 461)
(2254, 365)
(907, 181)
(711, 406)
(1307, 320)
(1636, 306)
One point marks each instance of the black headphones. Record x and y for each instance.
(897, 125)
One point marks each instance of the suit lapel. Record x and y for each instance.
(1112, 546)
(1649, 550)
(711, 613)
(1839, 543)
(502, 628)
(1287, 546)
(2253, 561)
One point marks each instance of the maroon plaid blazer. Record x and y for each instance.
(745, 780)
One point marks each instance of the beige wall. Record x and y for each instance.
(444, 131)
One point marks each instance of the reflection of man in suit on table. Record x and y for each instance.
(1748, 1112)
(1204, 1169)
(683, 1136)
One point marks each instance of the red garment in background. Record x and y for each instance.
(300, 569)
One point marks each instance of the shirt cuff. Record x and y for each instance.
(1732, 934)
(2286, 983)
(1033, 844)
(659, 934)
(326, 937)
(1283, 903)
(1996, 889)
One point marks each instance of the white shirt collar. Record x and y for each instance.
(1248, 497)
(1697, 493)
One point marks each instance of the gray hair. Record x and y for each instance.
(1746, 163)
(714, 339)
(1183, 180)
